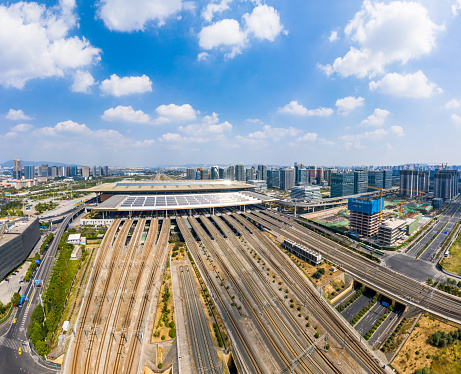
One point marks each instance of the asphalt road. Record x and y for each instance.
(370, 318)
(385, 328)
(443, 219)
(352, 310)
(16, 335)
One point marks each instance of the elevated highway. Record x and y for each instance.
(395, 285)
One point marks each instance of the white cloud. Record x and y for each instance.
(83, 80)
(117, 86)
(274, 133)
(22, 127)
(308, 137)
(397, 130)
(122, 15)
(411, 85)
(203, 56)
(456, 119)
(348, 104)
(212, 8)
(456, 7)
(17, 115)
(385, 33)
(376, 119)
(175, 113)
(333, 36)
(297, 109)
(34, 43)
(263, 23)
(126, 114)
(222, 33)
(453, 104)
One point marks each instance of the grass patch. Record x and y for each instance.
(418, 352)
(453, 262)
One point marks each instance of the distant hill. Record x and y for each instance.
(9, 164)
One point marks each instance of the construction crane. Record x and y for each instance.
(380, 199)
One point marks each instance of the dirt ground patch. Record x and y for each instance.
(178, 251)
(334, 288)
(418, 353)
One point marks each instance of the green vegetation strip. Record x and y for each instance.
(443, 339)
(46, 242)
(390, 340)
(42, 331)
(450, 286)
(357, 294)
(32, 267)
(453, 264)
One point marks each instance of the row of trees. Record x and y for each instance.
(42, 330)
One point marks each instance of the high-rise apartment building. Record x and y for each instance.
(262, 172)
(17, 170)
(106, 171)
(446, 184)
(191, 173)
(250, 174)
(230, 173)
(287, 179)
(29, 172)
(413, 182)
(240, 172)
(85, 172)
(43, 171)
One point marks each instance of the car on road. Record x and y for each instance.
(20, 350)
(15, 320)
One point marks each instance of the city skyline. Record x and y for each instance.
(249, 81)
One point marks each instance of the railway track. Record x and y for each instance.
(106, 243)
(290, 347)
(148, 246)
(246, 358)
(403, 288)
(159, 263)
(118, 245)
(105, 342)
(202, 347)
(293, 321)
(301, 286)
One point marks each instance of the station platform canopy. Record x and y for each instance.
(171, 187)
(123, 203)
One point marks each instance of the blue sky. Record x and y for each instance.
(151, 82)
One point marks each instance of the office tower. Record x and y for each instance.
(106, 171)
(73, 170)
(327, 175)
(29, 172)
(306, 193)
(312, 175)
(67, 171)
(95, 171)
(17, 172)
(240, 172)
(262, 172)
(360, 181)
(85, 172)
(44, 170)
(287, 179)
(387, 179)
(191, 173)
(342, 184)
(302, 177)
(375, 179)
(273, 178)
(204, 174)
(413, 182)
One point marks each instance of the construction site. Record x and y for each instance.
(407, 215)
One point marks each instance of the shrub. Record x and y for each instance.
(317, 335)
(163, 337)
(160, 366)
(172, 324)
(172, 333)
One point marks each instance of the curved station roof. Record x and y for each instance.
(122, 203)
(130, 187)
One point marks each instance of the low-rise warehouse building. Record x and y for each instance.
(303, 252)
